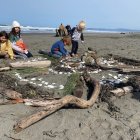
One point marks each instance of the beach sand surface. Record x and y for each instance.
(95, 123)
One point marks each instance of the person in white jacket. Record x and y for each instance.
(19, 47)
(76, 35)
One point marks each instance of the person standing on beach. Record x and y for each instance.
(61, 30)
(6, 50)
(19, 47)
(77, 34)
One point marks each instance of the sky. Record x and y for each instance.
(51, 13)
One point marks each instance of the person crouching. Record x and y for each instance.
(58, 48)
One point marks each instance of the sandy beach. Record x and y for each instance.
(95, 123)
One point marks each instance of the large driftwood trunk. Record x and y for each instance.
(57, 104)
(22, 64)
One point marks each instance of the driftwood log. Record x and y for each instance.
(10, 96)
(5, 68)
(37, 64)
(131, 70)
(57, 104)
(122, 91)
(125, 60)
(123, 68)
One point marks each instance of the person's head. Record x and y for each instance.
(67, 40)
(3, 36)
(15, 27)
(81, 25)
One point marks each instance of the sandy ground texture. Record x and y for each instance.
(95, 123)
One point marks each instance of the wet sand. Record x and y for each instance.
(95, 123)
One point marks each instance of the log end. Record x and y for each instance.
(16, 128)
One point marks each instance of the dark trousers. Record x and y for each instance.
(23, 55)
(29, 54)
(74, 47)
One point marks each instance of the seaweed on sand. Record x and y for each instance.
(71, 83)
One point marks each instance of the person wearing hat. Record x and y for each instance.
(19, 47)
(76, 35)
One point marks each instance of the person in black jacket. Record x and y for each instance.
(68, 29)
(77, 34)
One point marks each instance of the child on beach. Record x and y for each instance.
(19, 47)
(77, 34)
(58, 48)
(6, 50)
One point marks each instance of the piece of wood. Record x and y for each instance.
(123, 68)
(130, 70)
(6, 102)
(122, 91)
(22, 64)
(38, 103)
(12, 94)
(57, 104)
(5, 69)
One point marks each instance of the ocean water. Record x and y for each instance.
(30, 29)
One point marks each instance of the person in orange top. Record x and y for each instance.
(6, 50)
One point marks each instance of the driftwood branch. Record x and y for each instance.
(123, 68)
(5, 69)
(130, 70)
(57, 104)
(122, 91)
(37, 64)
(10, 96)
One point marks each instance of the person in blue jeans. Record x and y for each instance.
(58, 48)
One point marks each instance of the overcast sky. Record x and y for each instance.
(96, 13)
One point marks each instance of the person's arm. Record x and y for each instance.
(62, 49)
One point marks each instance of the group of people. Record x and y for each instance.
(75, 34)
(63, 30)
(12, 45)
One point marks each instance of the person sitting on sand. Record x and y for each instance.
(58, 48)
(76, 34)
(19, 47)
(6, 50)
